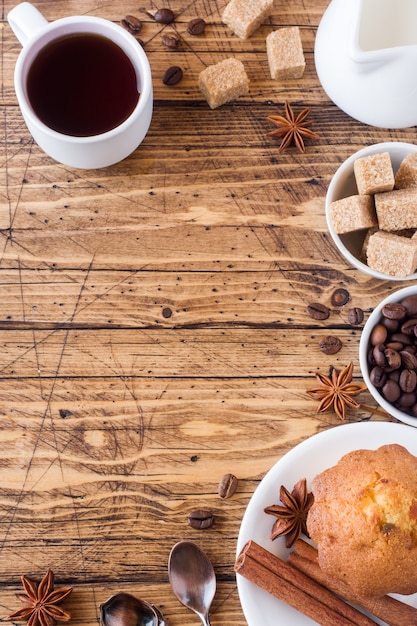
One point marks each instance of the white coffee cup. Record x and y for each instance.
(94, 151)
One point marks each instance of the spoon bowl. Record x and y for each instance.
(123, 609)
(192, 578)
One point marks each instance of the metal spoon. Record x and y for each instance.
(123, 609)
(192, 578)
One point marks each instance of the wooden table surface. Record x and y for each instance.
(153, 325)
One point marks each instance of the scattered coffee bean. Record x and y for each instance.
(132, 24)
(196, 26)
(355, 316)
(200, 519)
(330, 345)
(318, 311)
(340, 297)
(172, 76)
(171, 40)
(227, 485)
(162, 16)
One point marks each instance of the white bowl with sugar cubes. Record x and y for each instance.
(371, 210)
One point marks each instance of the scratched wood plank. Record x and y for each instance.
(195, 53)
(200, 352)
(123, 455)
(254, 217)
(85, 600)
(137, 299)
(112, 458)
(283, 12)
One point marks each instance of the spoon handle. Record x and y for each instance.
(205, 619)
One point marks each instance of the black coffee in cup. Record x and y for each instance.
(82, 84)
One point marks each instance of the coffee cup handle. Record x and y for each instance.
(25, 21)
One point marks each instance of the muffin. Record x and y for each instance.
(364, 520)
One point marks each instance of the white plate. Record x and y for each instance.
(305, 460)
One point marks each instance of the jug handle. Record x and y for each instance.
(25, 21)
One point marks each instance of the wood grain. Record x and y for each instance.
(153, 325)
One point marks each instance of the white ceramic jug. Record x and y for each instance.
(366, 60)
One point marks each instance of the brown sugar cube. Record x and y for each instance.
(397, 209)
(406, 175)
(285, 53)
(392, 254)
(364, 248)
(374, 173)
(245, 16)
(223, 82)
(352, 213)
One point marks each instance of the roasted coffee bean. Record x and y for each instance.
(173, 75)
(377, 376)
(340, 297)
(318, 311)
(227, 485)
(171, 40)
(391, 325)
(408, 360)
(379, 355)
(408, 380)
(378, 335)
(200, 519)
(355, 316)
(406, 400)
(163, 16)
(391, 391)
(393, 358)
(196, 26)
(395, 345)
(371, 358)
(408, 327)
(132, 24)
(394, 375)
(410, 303)
(394, 311)
(330, 345)
(406, 340)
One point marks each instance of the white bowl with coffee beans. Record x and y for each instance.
(388, 354)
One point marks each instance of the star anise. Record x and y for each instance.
(336, 391)
(292, 514)
(292, 129)
(40, 602)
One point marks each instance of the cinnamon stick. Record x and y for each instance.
(295, 588)
(305, 558)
